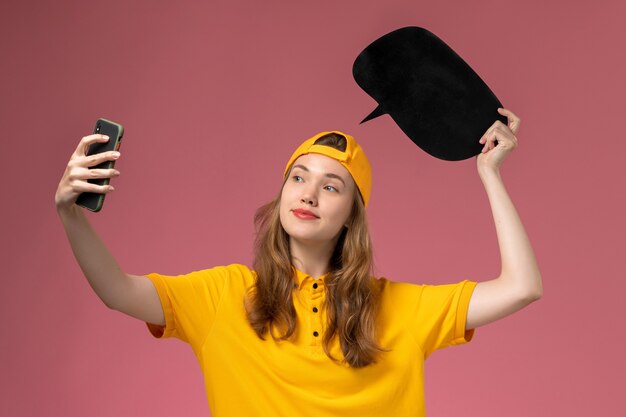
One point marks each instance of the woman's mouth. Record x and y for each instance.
(304, 214)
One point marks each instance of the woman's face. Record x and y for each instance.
(316, 199)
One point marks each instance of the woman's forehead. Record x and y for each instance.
(321, 164)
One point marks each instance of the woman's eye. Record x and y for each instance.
(297, 178)
(330, 188)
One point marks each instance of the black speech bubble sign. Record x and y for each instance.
(431, 93)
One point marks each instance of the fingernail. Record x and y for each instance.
(116, 155)
(105, 137)
(111, 188)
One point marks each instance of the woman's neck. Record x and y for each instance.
(311, 258)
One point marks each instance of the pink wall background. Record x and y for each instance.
(215, 95)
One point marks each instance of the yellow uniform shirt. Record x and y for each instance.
(247, 376)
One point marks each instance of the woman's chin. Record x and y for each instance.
(306, 239)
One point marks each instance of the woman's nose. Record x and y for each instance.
(309, 201)
(309, 197)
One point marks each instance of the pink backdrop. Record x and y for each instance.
(214, 97)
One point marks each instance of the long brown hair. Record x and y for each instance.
(352, 294)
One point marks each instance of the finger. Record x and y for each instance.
(86, 187)
(501, 135)
(85, 173)
(84, 143)
(92, 160)
(487, 133)
(488, 137)
(487, 140)
(486, 143)
(513, 121)
(493, 138)
(509, 115)
(495, 126)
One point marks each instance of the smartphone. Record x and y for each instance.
(115, 131)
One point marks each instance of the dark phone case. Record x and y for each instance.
(115, 131)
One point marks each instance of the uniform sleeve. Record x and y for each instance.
(190, 303)
(442, 314)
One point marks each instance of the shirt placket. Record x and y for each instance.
(316, 299)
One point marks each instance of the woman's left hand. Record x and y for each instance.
(493, 155)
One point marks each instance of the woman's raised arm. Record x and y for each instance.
(132, 295)
(519, 282)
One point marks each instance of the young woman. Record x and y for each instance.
(308, 331)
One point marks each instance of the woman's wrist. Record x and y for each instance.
(489, 172)
(67, 211)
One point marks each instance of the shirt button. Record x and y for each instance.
(316, 334)
(315, 309)
(315, 285)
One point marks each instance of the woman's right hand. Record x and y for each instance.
(74, 180)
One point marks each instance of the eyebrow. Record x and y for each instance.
(328, 174)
